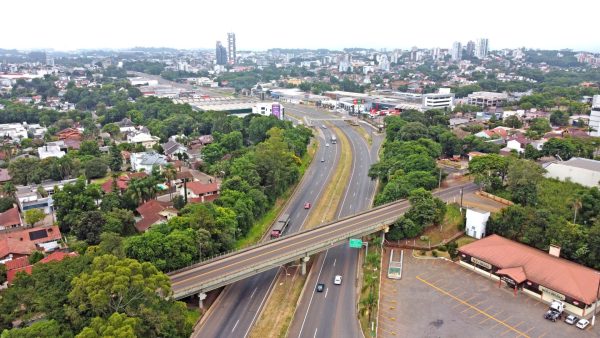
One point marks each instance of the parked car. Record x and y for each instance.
(320, 287)
(582, 323)
(324, 126)
(322, 160)
(337, 280)
(327, 144)
(571, 319)
(307, 205)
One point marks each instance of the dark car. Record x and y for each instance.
(320, 287)
(552, 315)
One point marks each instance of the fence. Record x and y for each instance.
(410, 243)
(494, 198)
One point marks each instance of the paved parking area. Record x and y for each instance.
(437, 298)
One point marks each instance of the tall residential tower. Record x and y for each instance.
(456, 51)
(221, 54)
(231, 44)
(481, 48)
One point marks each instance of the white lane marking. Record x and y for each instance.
(326, 290)
(236, 323)
(312, 295)
(253, 292)
(315, 332)
(262, 302)
(335, 260)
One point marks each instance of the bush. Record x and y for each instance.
(442, 248)
(434, 253)
(452, 250)
(422, 252)
(424, 238)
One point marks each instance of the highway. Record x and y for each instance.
(297, 245)
(238, 306)
(333, 313)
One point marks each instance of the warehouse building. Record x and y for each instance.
(538, 274)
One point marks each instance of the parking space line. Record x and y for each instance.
(531, 328)
(543, 334)
(473, 307)
(494, 315)
(504, 320)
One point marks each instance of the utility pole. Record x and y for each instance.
(440, 179)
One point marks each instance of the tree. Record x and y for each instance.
(25, 171)
(40, 329)
(73, 200)
(33, 216)
(8, 189)
(117, 325)
(489, 171)
(116, 285)
(35, 257)
(178, 202)
(523, 178)
(119, 221)
(116, 161)
(404, 228)
(6, 203)
(413, 131)
(95, 168)
(90, 226)
(513, 121)
(425, 209)
(559, 118)
(538, 127)
(89, 148)
(112, 129)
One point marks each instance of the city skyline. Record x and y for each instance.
(338, 26)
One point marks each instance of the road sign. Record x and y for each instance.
(355, 243)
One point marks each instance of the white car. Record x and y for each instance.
(571, 319)
(582, 323)
(337, 280)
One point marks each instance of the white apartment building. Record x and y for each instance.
(441, 100)
(594, 123)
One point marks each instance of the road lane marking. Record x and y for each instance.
(312, 295)
(253, 292)
(236, 323)
(473, 307)
(334, 260)
(326, 291)
(315, 332)
(385, 211)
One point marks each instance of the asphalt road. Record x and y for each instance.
(234, 314)
(333, 312)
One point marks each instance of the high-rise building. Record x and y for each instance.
(470, 49)
(221, 54)
(594, 124)
(231, 44)
(481, 48)
(456, 51)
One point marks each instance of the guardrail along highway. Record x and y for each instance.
(212, 274)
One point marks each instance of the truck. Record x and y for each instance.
(280, 226)
(555, 311)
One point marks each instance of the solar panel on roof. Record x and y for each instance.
(38, 234)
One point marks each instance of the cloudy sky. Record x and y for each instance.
(263, 24)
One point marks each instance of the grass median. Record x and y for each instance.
(262, 225)
(278, 312)
(369, 293)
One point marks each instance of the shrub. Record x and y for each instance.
(442, 248)
(424, 238)
(434, 253)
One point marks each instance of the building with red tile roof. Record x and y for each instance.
(534, 272)
(122, 182)
(12, 269)
(23, 242)
(11, 218)
(201, 192)
(70, 134)
(153, 212)
(4, 176)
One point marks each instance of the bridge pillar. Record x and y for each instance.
(201, 297)
(304, 260)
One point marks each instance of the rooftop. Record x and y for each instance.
(582, 163)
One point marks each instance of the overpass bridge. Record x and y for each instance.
(220, 271)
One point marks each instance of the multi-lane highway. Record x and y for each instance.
(333, 313)
(238, 306)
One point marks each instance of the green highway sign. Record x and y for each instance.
(355, 243)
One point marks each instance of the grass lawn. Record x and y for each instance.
(369, 294)
(262, 225)
(464, 240)
(452, 224)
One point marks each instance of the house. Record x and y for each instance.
(198, 192)
(517, 143)
(476, 222)
(11, 218)
(146, 161)
(122, 182)
(206, 139)
(21, 264)
(145, 139)
(172, 148)
(24, 242)
(4, 176)
(29, 197)
(496, 133)
(50, 151)
(70, 133)
(579, 170)
(125, 125)
(153, 212)
(14, 131)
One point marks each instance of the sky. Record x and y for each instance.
(332, 24)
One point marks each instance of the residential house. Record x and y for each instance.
(50, 151)
(153, 212)
(126, 125)
(121, 182)
(579, 170)
(198, 192)
(14, 131)
(172, 148)
(496, 133)
(146, 161)
(29, 197)
(206, 139)
(11, 218)
(518, 143)
(24, 242)
(145, 139)
(70, 133)
(22, 264)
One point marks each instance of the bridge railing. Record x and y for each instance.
(225, 279)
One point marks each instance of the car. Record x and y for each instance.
(307, 205)
(324, 126)
(322, 160)
(582, 323)
(320, 287)
(571, 319)
(337, 280)
(327, 144)
(552, 315)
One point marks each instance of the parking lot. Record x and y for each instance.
(437, 298)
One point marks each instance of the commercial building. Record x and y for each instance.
(594, 123)
(481, 48)
(232, 56)
(579, 170)
(538, 274)
(487, 99)
(443, 99)
(221, 54)
(456, 51)
(268, 109)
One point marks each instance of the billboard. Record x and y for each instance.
(276, 110)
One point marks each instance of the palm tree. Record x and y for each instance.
(8, 189)
(170, 174)
(576, 206)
